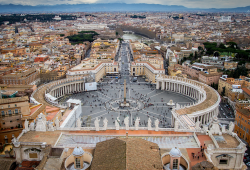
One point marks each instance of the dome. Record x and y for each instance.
(175, 152)
(78, 151)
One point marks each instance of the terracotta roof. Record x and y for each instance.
(126, 153)
(246, 90)
(28, 165)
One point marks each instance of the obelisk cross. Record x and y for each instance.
(125, 91)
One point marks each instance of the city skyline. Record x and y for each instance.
(186, 3)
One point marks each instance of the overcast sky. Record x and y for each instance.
(186, 3)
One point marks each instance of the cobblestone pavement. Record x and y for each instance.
(145, 102)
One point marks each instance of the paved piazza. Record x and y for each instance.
(105, 103)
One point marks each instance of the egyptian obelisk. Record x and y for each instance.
(125, 92)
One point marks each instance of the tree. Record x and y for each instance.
(222, 46)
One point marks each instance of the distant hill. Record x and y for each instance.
(119, 7)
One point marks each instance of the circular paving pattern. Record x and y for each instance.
(145, 102)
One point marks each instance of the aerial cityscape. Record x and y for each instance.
(108, 85)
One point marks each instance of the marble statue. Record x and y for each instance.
(40, 124)
(117, 125)
(176, 125)
(26, 124)
(105, 123)
(43, 117)
(97, 124)
(15, 142)
(32, 126)
(57, 123)
(156, 124)
(126, 122)
(197, 124)
(78, 123)
(149, 124)
(231, 127)
(51, 127)
(215, 127)
(137, 121)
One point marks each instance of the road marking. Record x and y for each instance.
(157, 94)
(150, 92)
(96, 113)
(103, 95)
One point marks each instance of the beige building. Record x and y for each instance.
(99, 68)
(228, 83)
(12, 110)
(148, 66)
(22, 76)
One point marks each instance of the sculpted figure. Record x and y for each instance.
(149, 124)
(156, 125)
(126, 122)
(105, 123)
(117, 124)
(78, 123)
(137, 121)
(231, 127)
(26, 124)
(57, 123)
(97, 124)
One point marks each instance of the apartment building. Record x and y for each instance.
(242, 123)
(202, 72)
(12, 110)
(228, 83)
(97, 67)
(21, 76)
(149, 66)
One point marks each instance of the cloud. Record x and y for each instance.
(186, 3)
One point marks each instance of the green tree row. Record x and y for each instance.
(82, 36)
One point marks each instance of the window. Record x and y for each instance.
(78, 164)
(15, 105)
(247, 130)
(9, 112)
(241, 126)
(2, 112)
(16, 111)
(244, 128)
(8, 106)
(223, 161)
(175, 163)
(242, 119)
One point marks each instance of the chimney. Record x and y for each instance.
(126, 135)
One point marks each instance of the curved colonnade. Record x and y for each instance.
(59, 88)
(206, 103)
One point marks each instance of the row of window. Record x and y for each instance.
(9, 106)
(10, 112)
(10, 121)
(243, 120)
(243, 127)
